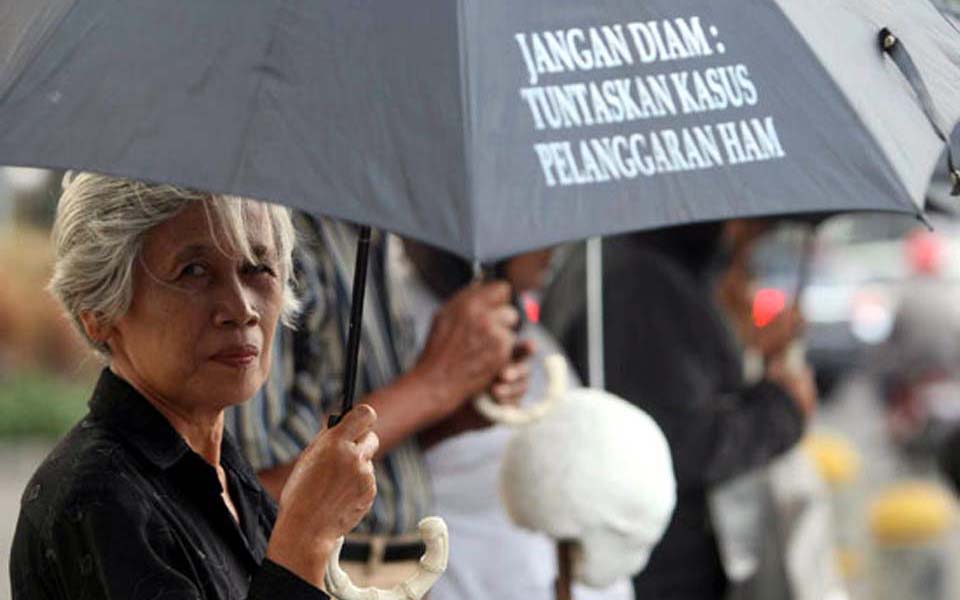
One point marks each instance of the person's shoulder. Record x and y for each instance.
(637, 272)
(628, 258)
(89, 467)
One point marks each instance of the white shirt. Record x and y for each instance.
(490, 557)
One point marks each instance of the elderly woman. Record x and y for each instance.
(180, 291)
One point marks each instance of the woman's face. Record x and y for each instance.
(198, 332)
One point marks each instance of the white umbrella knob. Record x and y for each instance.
(433, 532)
(556, 367)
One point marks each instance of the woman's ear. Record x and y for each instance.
(94, 327)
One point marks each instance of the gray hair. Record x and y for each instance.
(98, 236)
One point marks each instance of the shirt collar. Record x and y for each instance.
(232, 459)
(123, 410)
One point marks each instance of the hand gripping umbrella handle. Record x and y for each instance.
(556, 367)
(433, 532)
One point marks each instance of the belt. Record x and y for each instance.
(367, 552)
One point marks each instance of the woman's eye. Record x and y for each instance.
(258, 269)
(194, 270)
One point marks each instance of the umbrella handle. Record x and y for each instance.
(556, 367)
(433, 532)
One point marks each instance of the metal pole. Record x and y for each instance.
(797, 350)
(806, 264)
(355, 326)
(563, 587)
(594, 273)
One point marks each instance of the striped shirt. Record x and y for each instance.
(308, 363)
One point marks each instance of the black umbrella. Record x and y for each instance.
(490, 127)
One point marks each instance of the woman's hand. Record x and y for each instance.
(330, 489)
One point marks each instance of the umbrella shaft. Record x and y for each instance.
(356, 323)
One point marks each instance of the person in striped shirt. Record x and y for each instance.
(472, 347)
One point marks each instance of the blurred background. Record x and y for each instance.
(881, 297)
(46, 373)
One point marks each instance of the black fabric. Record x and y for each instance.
(948, 458)
(124, 509)
(697, 248)
(892, 45)
(668, 351)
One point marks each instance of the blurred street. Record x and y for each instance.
(854, 412)
(18, 461)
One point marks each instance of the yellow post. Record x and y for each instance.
(838, 462)
(908, 524)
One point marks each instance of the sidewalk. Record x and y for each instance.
(18, 460)
(856, 413)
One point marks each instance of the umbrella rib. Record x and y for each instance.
(897, 180)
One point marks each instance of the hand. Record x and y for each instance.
(509, 387)
(773, 339)
(470, 343)
(798, 382)
(330, 489)
(511, 383)
(734, 295)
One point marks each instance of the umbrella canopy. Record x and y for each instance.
(489, 127)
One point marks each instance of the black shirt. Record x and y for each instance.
(123, 508)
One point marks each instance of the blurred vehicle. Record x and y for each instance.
(855, 267)
(882, 295)
(918, 367)
(861, 268)
(855, 272)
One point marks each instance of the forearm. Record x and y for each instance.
(409, 405)
(297, 568)
(765, 423)
(465, 419)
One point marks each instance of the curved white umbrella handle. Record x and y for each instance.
(433, 532)
(556, 367)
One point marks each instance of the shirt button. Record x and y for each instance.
(34, 493)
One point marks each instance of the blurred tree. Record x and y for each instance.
(34, 194)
